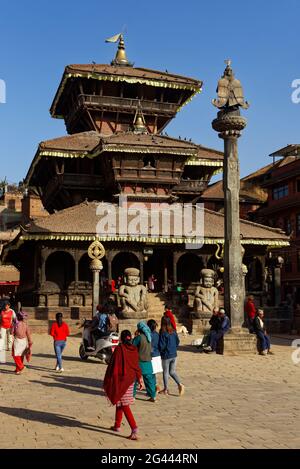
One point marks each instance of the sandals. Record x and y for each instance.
(133, 435)
(115, 429)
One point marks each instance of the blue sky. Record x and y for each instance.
(39, 37)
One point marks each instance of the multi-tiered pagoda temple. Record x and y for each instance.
(115, 116)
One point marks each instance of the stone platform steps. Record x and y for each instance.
(156, 306)
(41, 326)
(40, 319)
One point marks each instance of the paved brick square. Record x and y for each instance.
(230, 402)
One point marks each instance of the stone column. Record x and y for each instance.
(96, 251)
(229, 123)
(277, 285)
(76, 258)
(96, 287)
(142, 272)
(44, 254)
(165, 275)
(175, 260)
(109, 271)
(262, 260)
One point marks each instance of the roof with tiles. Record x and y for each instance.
(9, 273)
(132, 72)
(82, 219)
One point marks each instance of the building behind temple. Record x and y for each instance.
(282, 210)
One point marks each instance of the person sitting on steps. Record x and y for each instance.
(261, 334)
(220, 330)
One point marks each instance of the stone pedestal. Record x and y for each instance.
(129, 324)
(199, 326)
(96, 289)
(238, 342)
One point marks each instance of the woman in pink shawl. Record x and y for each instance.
(22, 342)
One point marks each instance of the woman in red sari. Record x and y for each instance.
(121, 374)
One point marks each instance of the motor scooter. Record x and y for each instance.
(104, 346)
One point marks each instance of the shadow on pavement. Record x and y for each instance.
(48, 355)
(188, 348)
(59, 420)
(74, 383)
(282, 340)
(38, 368)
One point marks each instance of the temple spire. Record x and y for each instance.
(120, 58)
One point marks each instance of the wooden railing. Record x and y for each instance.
(191, 185)
(125, 104)
(91, 180)
(72, 180)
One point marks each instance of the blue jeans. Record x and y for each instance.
(59, 346)
(169, 366)
(264, 340)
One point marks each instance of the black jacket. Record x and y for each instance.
(257, 326)
(215, 322)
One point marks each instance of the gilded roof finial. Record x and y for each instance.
(230, 91)
(120, 58)
(139, 124)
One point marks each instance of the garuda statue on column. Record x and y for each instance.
(230, 91)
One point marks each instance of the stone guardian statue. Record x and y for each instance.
(133, 295)
(206, 295)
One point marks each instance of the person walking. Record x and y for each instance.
(121, 374)
(155, 353)
(7, 318)
(151, 283)
(112, 286)
(59, 332)
(22, 342)
(142, 341)
(168, 344)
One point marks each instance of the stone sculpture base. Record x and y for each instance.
(129, 324)
(239, 342)
(135, 316)
(199, 326)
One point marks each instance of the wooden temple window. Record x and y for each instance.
(131, 91)
(149, 162)
(280, 192)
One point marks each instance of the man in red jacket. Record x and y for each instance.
(251, 312)
(7, 317)
(59, 331)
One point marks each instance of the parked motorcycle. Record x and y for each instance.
(104, 346)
